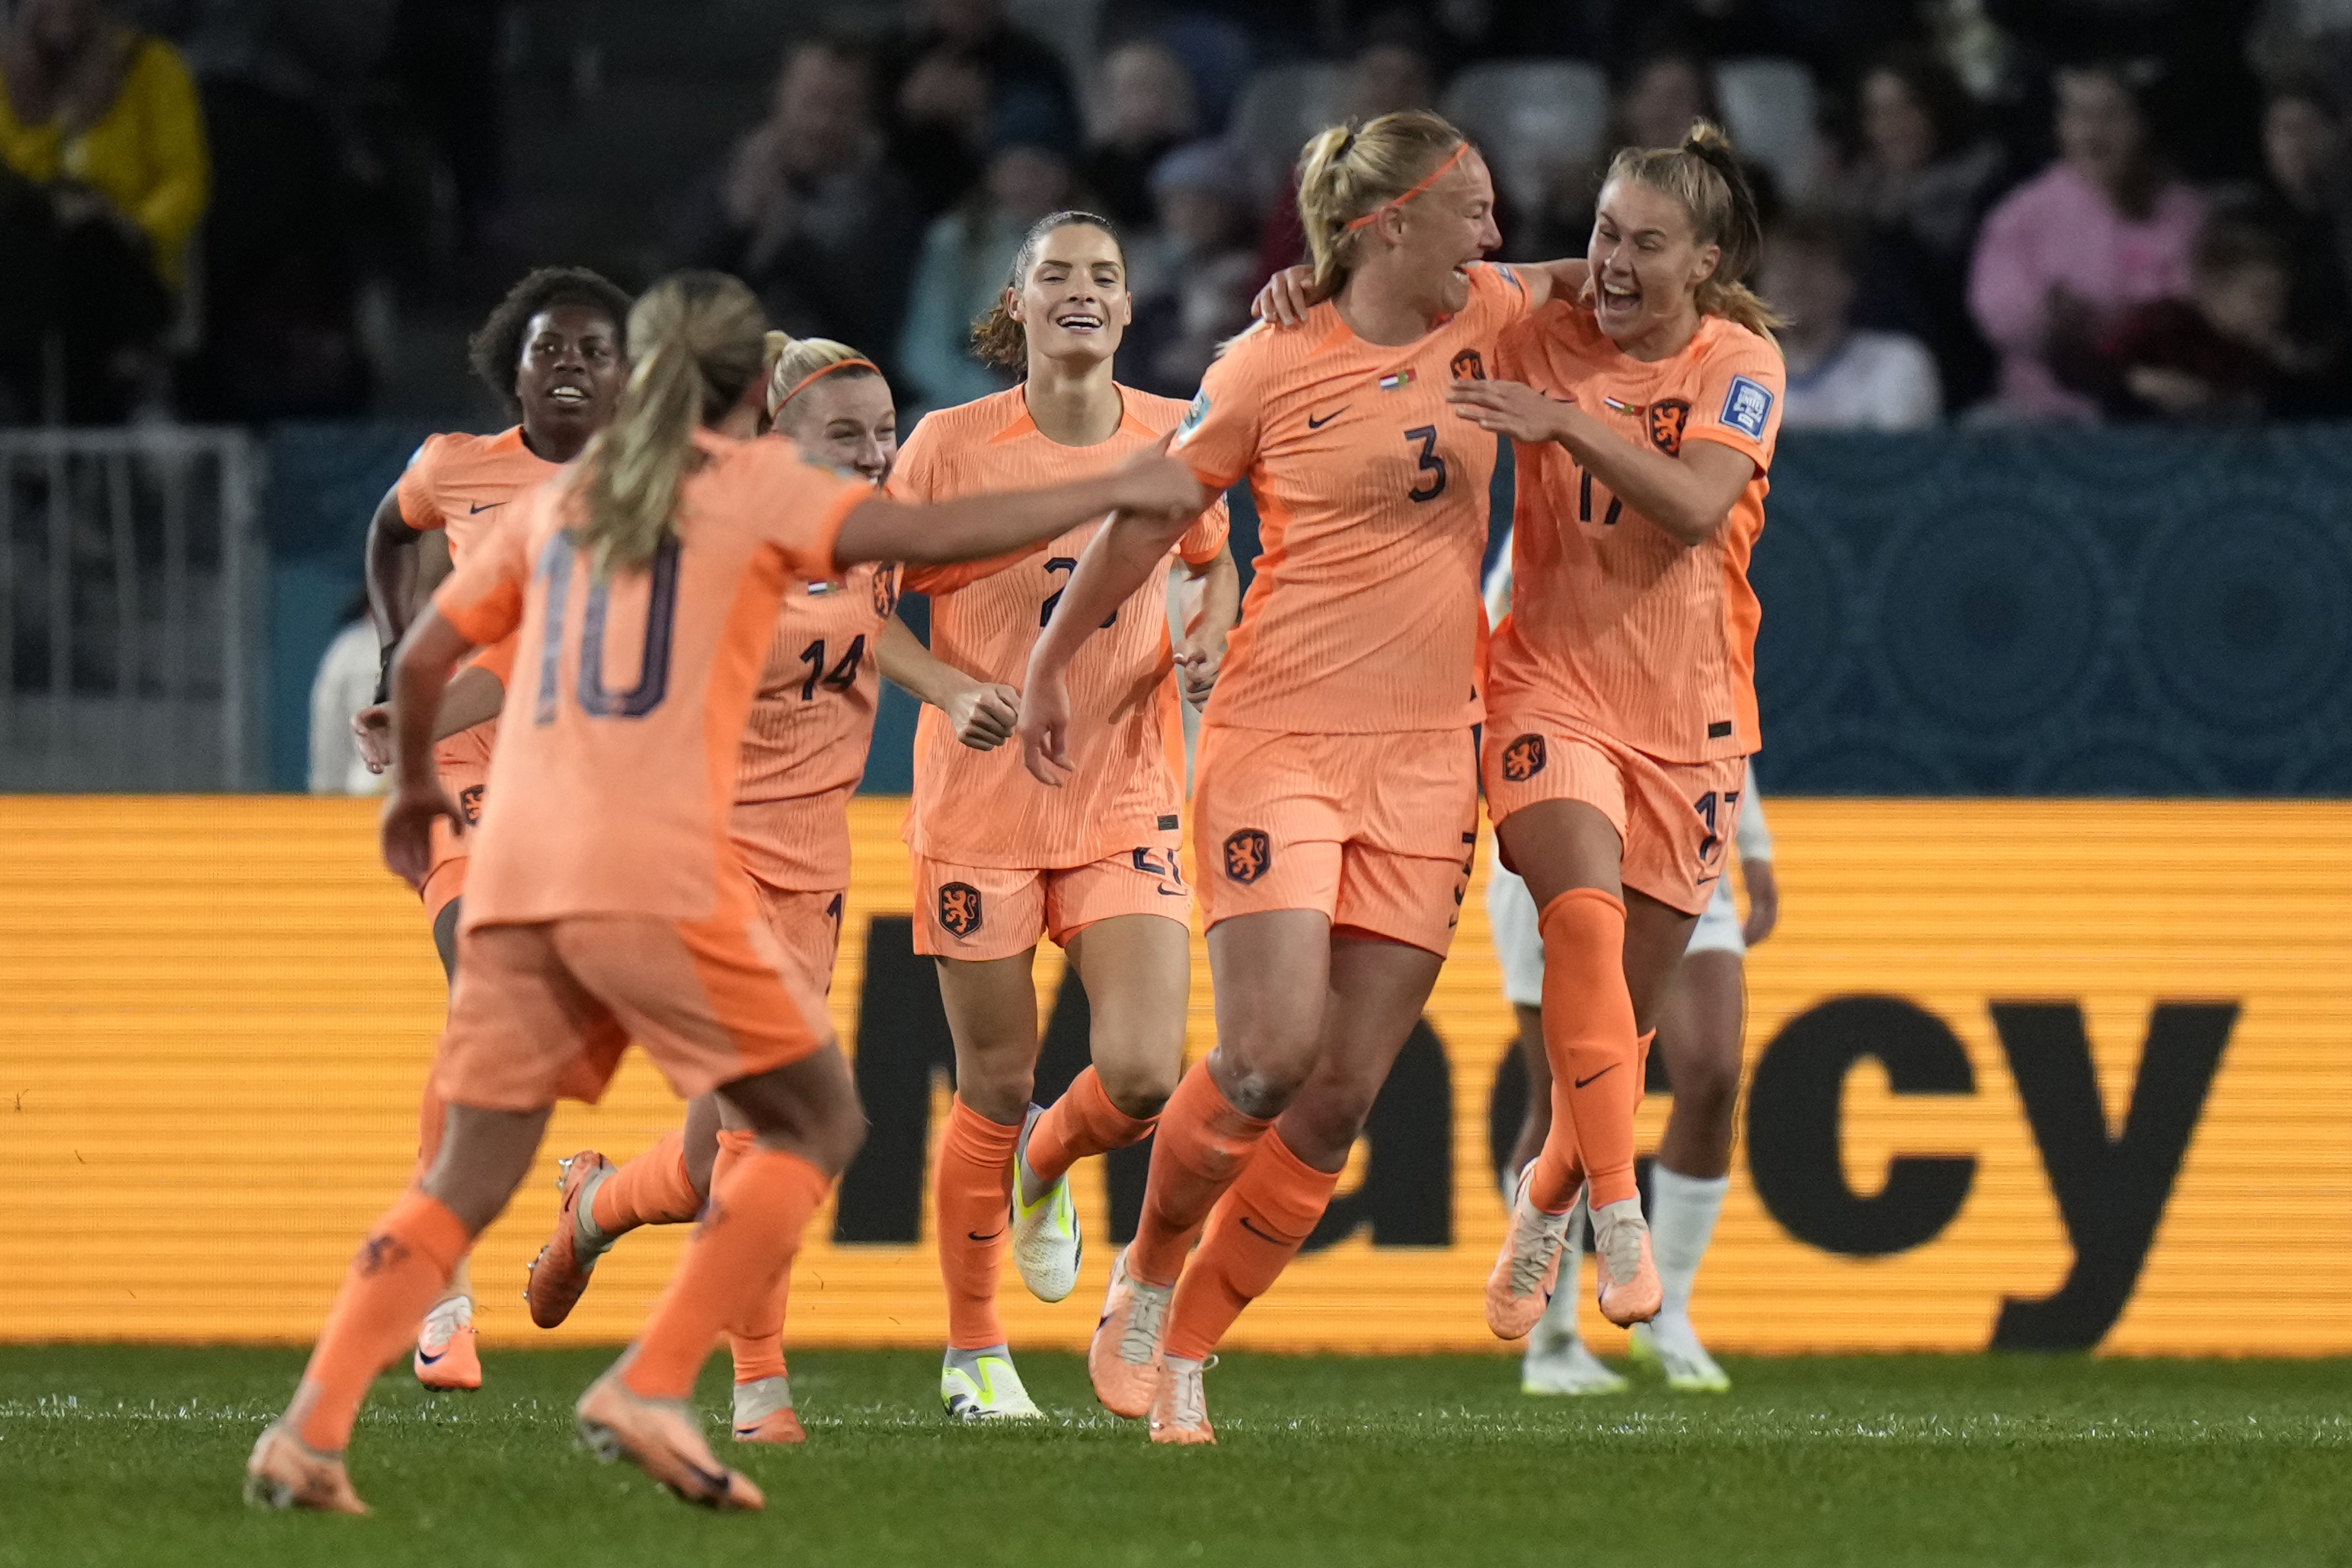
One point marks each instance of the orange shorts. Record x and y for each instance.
(542, 1011)
(980, 912)
(1674, 818)
(1377, 832)
(463, 761)
(807, 926)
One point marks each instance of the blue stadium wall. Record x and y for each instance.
(1996, 612)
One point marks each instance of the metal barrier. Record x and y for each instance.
(131, 625)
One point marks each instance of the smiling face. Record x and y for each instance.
(1073, 303)
(1440, 235)
(567, 378)
(1647, 264)
(846, 421)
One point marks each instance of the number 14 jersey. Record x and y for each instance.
(982, 808)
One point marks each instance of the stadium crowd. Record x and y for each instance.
(1989, 209)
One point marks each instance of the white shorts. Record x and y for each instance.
(1519, 943)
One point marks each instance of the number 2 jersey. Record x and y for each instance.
(1372, 501)
(618, 761)
(982, 808)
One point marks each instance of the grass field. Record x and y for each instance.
(132, 1456)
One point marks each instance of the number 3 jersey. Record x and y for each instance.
(615, 778)
(982, 808)
(1372, 502)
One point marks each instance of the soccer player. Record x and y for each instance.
(607, 900)
(1000, 863)
(1335, 785)
(1621, 696)
(553, 351)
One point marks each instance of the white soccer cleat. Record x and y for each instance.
(1047, 1245)
(1556, 1365)
(1669, 1344)
(980, 1386)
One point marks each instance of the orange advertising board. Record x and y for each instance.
(2033, 1073)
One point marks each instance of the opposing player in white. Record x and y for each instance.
(1701, 1031)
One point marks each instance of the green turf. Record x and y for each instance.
(132, 1456)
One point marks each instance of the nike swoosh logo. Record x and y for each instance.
(1265, 1236)
(425, 1359)
(992, 1236)
(1171, 892)
(1598, 1076)
(1315, 424)
(478, 509)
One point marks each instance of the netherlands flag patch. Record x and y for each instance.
(1396, 382)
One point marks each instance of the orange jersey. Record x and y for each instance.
(982, 808)
(1371, 500)
(616, 774)
(811, 726)
(1613, 620)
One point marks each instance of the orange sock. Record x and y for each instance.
(652, 1189)
(733, 1263)
(1588, 1021)
(1082, 1122)
(758, 1342)
(1199, 1150)
(400, 1267)
(1254, 1231)
(972, 1192)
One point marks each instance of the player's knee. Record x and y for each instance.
(1709, 1088)
(1139, 1088)
(997, 1087)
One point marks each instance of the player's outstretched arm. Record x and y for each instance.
(475, 695)
(420, 675)
(980, 712)
(1285, 300)
(976, 526)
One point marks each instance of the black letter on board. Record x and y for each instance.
(1407, 1196)
(2112, 1191)
(1792, 1126)
(902, 1040)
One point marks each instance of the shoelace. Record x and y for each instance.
(1140, 1342)
(1535, 1242)
(1188, 1403)
(1620, 1246)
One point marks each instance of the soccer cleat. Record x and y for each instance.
(661, 1437)
(1046, 1243)
(1179, 1406)
(1123, 1358)
(763, 1411)
(560, 1273)
(285, 1472)
(980, 1386)
(446, 1356)
(1567, 1368)
(1669, 1344)
(1629, 1292)
(1519, 1288)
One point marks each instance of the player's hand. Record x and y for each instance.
(406, 828)
(983, 714)
(372, 726)
(1045, 728)
(1154, 485)
(1763, 900)
(1284, 300)
(1508, 409)
(1198, 659)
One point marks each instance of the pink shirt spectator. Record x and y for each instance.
(2059, 230)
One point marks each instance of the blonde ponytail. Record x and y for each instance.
(700, 341)
(1349, 172)
(1705, 175)
(795, 362)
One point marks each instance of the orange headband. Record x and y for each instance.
(1435, 175)
(802, 385)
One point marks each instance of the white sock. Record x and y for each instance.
(1682, 1222)
(1557, 1329)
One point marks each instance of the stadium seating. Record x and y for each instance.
(1534, 120)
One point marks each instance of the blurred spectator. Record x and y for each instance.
(2220, 354)
(1385, 76)
(103, 148)
(2102, 229)
(1192, 274)
(344, 684)
(943, 80)
(968, 252)
(1918, 185)
(807, 212)
(1840, 377)
(1143, 109)
(2304, 197)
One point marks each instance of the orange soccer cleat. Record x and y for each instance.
(559, 1275)
(1123, 1359)
(661, 1437)
(1180, 1408)
(1630, 1292)
(763, 1411)
(446, 1356)
(1527, 1267)
(284, 1472)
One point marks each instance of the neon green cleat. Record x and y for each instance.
(1047, 1246)
(1670, 1345)
(980, 1386)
